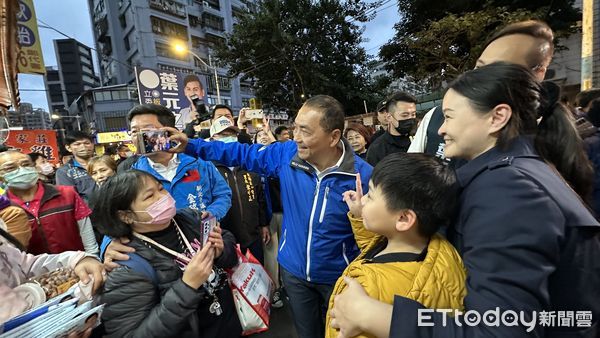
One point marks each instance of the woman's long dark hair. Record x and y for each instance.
(556, 138)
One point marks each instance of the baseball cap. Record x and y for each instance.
(221, 124)
(381, 106)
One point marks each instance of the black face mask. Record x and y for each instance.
(406, 126)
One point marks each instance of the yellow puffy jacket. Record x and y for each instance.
(437, 282)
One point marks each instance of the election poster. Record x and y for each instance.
(35, 141)
(172, 90)
(30, 59)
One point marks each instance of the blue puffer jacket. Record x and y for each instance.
(197, 185)
(317, 241)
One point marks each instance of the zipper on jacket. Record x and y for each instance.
(310, 228)
(344, 253)
(324, 205)
(284, 239)
(43, 233)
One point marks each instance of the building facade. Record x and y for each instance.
(74, 75)
(130, 33)
(28, 118)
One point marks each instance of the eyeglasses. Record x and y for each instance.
(12, 165)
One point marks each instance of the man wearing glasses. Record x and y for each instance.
(58, 217)
(401, 112)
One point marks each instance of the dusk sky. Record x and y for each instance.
(72, 18)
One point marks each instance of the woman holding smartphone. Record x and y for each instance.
(185, 293)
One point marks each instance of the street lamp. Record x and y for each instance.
(60, 117)
(181, 48)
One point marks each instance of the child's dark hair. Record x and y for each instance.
(421, 183)
(117, 193)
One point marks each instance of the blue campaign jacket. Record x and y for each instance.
(317, 241)
(197, 185)
(529, 244)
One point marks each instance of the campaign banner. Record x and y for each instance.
(35, 141)
(172, 90)
(30, 59)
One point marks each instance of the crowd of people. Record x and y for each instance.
(488, 202)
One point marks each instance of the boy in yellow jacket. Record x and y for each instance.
(410, 197)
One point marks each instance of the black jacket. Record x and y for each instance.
(248, 210)
(528, 243)
(136, 308)
(386, 144)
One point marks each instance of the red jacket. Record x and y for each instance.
(53, 214)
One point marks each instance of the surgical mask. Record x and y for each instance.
(22, 178)
(46, 169)
(161, 211)
(128, 154)
(406, 126)
(228, 139)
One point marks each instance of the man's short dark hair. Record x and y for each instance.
(116, 194)
(399, 97)
(331, 109)
(221, 106)
(421, 183)
(584, 98)
(192, 78)
(535, 29)
(164, 115)
(280, 130)
(77, 135)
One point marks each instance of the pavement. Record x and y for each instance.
(281, 323)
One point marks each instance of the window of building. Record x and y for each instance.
(126, 41)
(214, 4)
(115, 123)
(224, 83)
(168, 28)
(213, 21)
(237, 12)
(167, 51)
(214, 39)
(193, 20)
(123, 20)
(168, 6)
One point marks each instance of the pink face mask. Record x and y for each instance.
(161, 211)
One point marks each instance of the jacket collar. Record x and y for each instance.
(144, 164)
(347, 165)
(50, 192)
(521, 146)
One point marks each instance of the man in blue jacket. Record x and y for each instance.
(314, 171)
(193, 183)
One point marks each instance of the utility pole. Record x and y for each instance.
(587, 45)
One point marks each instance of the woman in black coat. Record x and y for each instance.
(526, 236)
(172, 288)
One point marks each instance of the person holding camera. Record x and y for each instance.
(193, 129)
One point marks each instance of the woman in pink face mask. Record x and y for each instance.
(172, 285)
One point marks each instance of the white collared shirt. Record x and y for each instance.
(320, 174)
(169, 171)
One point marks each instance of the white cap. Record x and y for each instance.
(221, 124)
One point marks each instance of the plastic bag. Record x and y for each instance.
(252, 289)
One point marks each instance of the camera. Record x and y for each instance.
(198, 103)
(151, 141)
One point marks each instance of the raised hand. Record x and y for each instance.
(353, 198)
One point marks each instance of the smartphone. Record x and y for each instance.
(208, 225)
(255, 116)
(151, 141)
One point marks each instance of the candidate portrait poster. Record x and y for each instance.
(172, 90)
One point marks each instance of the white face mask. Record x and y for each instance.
(228, 139)
(46, 169)
(128, 154)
